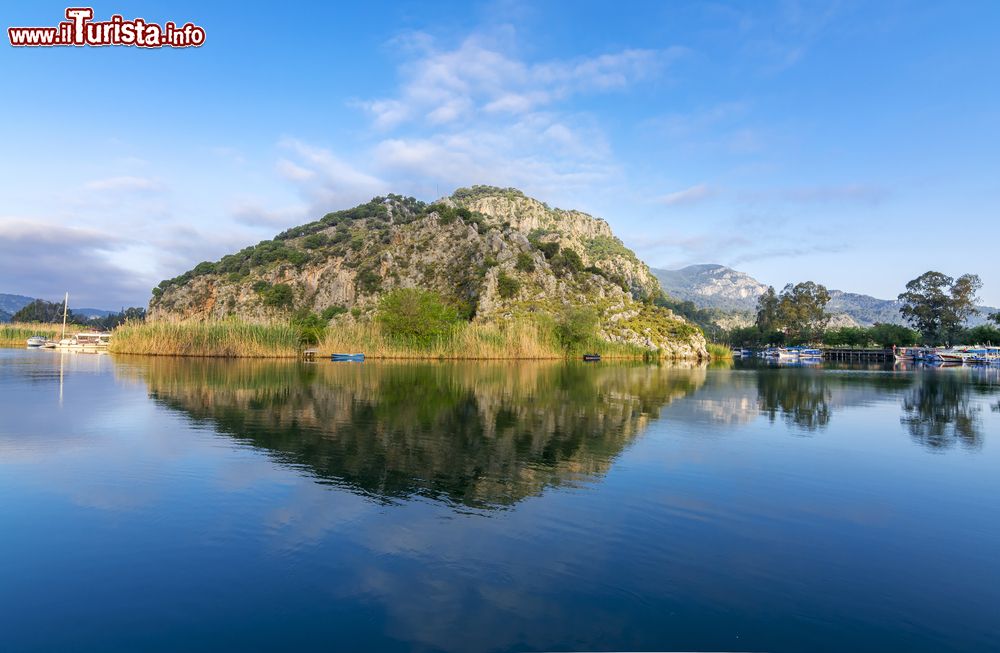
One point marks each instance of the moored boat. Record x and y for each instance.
(591, 358)
(345, 358)
(36, 341)
(87, 341)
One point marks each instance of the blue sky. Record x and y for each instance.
(854, 144)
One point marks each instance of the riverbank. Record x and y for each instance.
(516, 340)
(15, 334)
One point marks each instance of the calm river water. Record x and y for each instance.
(191, 505)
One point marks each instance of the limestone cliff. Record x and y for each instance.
(495, 253)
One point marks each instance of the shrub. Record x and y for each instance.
(525, 262)
(575, 326)
(315, 241)
(311, 326)
(417, 317)
(507, 286)
(567, 262)
(333, 311)
(278, 296)
(550, 250)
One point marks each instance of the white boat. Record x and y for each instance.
(37, 341)
(88, 341)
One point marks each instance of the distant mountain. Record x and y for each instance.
(10, 304)
(720, 287)
(91, 313)
(712, 286)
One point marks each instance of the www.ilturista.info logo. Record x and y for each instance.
(80, 29)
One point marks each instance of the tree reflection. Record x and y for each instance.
(478, 435)
(938, 412)
(802, 398)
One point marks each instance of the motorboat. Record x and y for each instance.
(37, 341)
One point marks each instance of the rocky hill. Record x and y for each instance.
(495, 253)
(712, 286)
(720, 287)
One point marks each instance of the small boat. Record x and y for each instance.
(591, 358)
(37, 341)
(88, 341)
(346, 358)
(810, 353)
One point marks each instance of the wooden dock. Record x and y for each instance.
(846, 355)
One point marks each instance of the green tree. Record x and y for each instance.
(983, 334)
(576, 325)
(311, 326)
(802, 310)
(994, 318)
(42, 311)
(416, 316)
(887, 335)
(278, 296)
(938, 305)
(767, 311)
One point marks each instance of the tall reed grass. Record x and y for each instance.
(515, 339)
(718, 352)
(222, 338)
(17, 333)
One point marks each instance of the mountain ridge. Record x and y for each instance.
(714, 286)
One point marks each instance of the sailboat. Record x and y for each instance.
(87, 341)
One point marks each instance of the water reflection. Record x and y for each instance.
(474, 435)
(941, 411)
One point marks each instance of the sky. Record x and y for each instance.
(852, 144)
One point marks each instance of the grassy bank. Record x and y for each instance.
(523, 339)
(472, 341)
(16, 333)
(226, 338)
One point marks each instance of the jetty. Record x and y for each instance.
(844, 354)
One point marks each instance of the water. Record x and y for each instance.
(240, 506)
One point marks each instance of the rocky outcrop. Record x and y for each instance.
(495, 253)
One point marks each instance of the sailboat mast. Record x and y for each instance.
(65, 310)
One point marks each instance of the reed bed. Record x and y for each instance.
(717, 352)
(17, 333)
(222, 338)
(517, 339)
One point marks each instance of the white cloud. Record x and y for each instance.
(687, 196)
(445, 86)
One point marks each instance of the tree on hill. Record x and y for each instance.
(109, 322)
(938, 305)
(994, 318)
(42, 311)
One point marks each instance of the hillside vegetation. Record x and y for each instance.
(491, 258)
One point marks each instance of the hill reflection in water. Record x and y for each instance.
(475, 435)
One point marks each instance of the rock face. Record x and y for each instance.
(495, 253)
